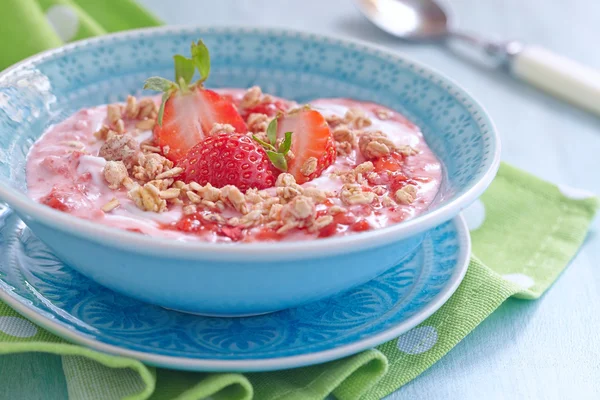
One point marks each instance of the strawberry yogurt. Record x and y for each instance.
(106, 164)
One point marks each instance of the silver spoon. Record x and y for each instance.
(420, 20)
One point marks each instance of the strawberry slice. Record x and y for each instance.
(189, 117)
(188, 110)
(311, 140)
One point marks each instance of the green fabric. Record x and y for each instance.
(531, 231)
(34, 21)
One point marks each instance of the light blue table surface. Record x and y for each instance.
(547, 349)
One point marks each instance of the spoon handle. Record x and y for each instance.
(558, 75)
(548, 71)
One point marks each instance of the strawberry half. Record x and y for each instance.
(311, 138)
(189, 117)
(188, 110)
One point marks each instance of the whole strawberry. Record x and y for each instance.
(229, 159)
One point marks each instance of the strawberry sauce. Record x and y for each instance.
(65, 172)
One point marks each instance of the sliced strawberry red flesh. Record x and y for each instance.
(189, 117)
(271, 108)
(214, 109)
(311, 137)
(197, 224)
(67, 198)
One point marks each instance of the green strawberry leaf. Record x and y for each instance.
(277, 157)
(161, 110)
(184, 72)
(158, 84)
(201, 59)
(272, 132)
(284, 147)
(278, 160)
(264, 144)
(184, 69)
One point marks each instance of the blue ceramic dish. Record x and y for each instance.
(238, 279)
(36, 284)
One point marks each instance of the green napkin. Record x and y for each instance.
(529, 230)
(30, 26)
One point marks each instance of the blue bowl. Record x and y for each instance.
(238, 279)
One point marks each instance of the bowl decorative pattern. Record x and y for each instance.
(288, 64)
(45, 89)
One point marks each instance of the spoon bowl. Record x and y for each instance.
(407, 19)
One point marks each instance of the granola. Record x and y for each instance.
(121, 148)
(357, 118)
(253, 97)
(137, 170)
(406, 195)
(353, 194)
(309, 167)
(375, 145)
(147, 198)
(111, 205)
(258, 122)
(115, 173)
(221, 128)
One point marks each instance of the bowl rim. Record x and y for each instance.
(119, 238)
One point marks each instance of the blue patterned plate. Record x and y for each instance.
(36, 284)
